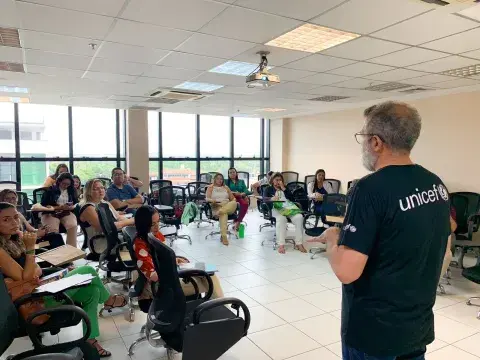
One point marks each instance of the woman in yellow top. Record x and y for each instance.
(51, 179)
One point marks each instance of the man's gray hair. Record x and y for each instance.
(397, 124)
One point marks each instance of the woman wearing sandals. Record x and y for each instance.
(283, 208)
(17, 260)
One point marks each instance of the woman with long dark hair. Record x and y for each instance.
(147, 221)
(240, 191)
(317, 188)
(77, 184)
(50, 180)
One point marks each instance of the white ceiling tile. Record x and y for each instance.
(318, 63)
(396, 75)
(150, 83)
(472, 54)
(456, 44)
(408, 57)
(323, 79)
(180, 14)
(209, 45)
(237, 90)
(366, 16)
(131, 53)
(57, 43)
(119, 67)
(292, 87)
(357, 83)
(135, 33)
(287, 74)
(221, 79)
(426, 27)
(54, 71)
(167, 72)
(456, 83)
(64, 22)
(191, 61)
(103, 76)
(363, 48)
(9, 16)
(360, 69)
(298, 9)
(439, 65)
(277, 56)
(249, 25)
(104, 7)
(11, 54)
(37, 57)
(429, 79)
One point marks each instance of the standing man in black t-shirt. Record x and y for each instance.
(389, 251)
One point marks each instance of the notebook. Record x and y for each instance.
(62, 255)
(208, 268)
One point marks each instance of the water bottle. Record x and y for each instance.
(241, 231)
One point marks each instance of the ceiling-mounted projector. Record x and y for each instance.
(261, 77)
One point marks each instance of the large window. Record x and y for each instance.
(214, 136)
(180, 172)
(247, 137)
(93, 169)
(7, 131)
(220, 166)
(7, 171)
(153, 140)
(250, 166)
(178, 135)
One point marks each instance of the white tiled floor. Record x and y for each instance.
(294, 304)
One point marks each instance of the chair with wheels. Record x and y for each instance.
(155, 186)
(200, 328)
(206, 177)
(197, 193)
(289, 176)
(308, 179)
(299, 194)
(473, 274)
(467, 208)
(245, 176)
(175, 197)
(10, 185)
(335, 185)
(231, 218)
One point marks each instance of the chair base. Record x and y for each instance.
(315, 251)
(229, 233)
(200, 221)
(263, 226)
(275, 243)
(172, 238)
(469, 302)
(153, 338)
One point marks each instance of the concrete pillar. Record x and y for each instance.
(137, 146)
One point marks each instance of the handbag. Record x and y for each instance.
(19, 288)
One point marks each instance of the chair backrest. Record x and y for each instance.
(334, 204)
(465, 204)
(172, 196)
(308, 179)
(38, 194)
(10, 185)
(107, 222)
(245, 176)
(197, 190)
(295, 185)
(135, 178)
(289, 176)
(335, 185)
(351, 183)
(156, 185)
(206, 177)
(106, 182)
(261, 176)
(8, 317)
(299, 193)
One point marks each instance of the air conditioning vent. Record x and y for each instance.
(329, 98)
(9, 37)
(162, 100)
(414, 90)
(178, 95)
(449, 2)
(137, 107)
(390, 86)
(8, 66)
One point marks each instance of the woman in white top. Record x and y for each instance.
(93, 194)
(223, 203)
(316, 189)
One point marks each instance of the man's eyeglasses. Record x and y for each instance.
(359, 137)
(117, 174)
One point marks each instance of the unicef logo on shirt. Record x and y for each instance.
(443, 192)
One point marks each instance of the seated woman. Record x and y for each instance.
(61, 198)
(147, 221)
(17, 260)
(55, 239)
(50, 180)
(283, 209)
(77, 185)
(316, 189)
(223, 204)
(93, 194)
(240, 191)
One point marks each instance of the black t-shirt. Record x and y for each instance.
(399, 217)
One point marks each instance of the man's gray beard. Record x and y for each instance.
(368, 158)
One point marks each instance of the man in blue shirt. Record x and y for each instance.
(122, 195)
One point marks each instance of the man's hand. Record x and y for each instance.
(329, 236)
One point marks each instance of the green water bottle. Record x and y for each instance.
(241, 231)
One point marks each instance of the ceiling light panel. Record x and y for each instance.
(312, 38)
(198, 86)
(9, 37)
(238, 68)
(271, 110)
(22, 100)
(329, 98)
(464, 71)
(13, 89)
(390, 86)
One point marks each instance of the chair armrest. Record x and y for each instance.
(190, 273)
(209, 305)
(309, 216)
(119, 258)
(40, 295)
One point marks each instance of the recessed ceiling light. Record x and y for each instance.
(22, 100)
(389, 86)
(239, 68)
(271, 110)
(312, 38)
(13, 89)
(464, 71)
(198, 86)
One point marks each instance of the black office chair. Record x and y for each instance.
(289, 176)
(335, 185)
(155, 186)
(199, 329)
(197, 193)
(245, 176)
(37, 198)
(467, 208)
(473, 274)
(206, 177)
(106, 182)
(307, 180)
(299, 194)
(11, 185)
(110, 260)
(23, 204)
(231, 218)
(176, 197)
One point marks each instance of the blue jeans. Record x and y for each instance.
(352, 354)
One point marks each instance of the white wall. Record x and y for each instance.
(447, 144)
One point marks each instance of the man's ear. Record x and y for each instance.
(377, 144)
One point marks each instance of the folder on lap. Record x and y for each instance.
(62, 255)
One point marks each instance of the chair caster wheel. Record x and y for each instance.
(469, 302)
